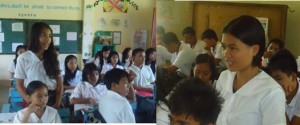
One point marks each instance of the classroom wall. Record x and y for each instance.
(174, 16)
(136, 19)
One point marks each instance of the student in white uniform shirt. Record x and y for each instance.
(113, 61)
(213, 47)
(73, 76)
(114, 105)
(144, 77)
(87, 94)
(40, 63)
(163, 55)
(189, 35)
(274, 46)
(285, 73)
(100, 58)
(251, 96)
(184, 54)
(126, 57)
(11, 69)
(37, 111)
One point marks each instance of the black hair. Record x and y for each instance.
(68, 74)
(205, 58)
(192, 97)
(17, 49)
(88, 69)
(160, 30)
(114, 76)
(125, 54)
(283, 61)
(209, 34)
(50, 61)
(56, 48)
(189, 30)
(250, 31)
(136, 51)
(170, 37)
(33, 86)
(101, 59)
(148, 52)
(279, 42)
(112, 53)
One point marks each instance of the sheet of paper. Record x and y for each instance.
(1, 37)
(55, 29)
(14, 46)
(56, 40)
(71, 36)
(117, 38)
(17, 27)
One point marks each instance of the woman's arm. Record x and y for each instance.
(11, 75)
(69, 87)
(59, 91)
(21, 89)
(295, 120)
(83, 101)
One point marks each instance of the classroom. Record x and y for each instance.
(84, 29)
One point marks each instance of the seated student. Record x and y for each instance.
(73, 76)
(100, 58)
(204, 68)
(87, 94)
(283, 68)
(184, 54)
(194, 103)
(144, 76)
(190, 39)
(274, 46)
(151, 59)
(114, 105)
(213, 47)
(126, 57)
(163, 56)
(11, 69)
(113, 61)
(37, 111)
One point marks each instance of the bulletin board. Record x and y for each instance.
(67, 34)
(216, 15)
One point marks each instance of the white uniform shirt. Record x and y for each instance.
(199, 47)
(50, 116)
(261, 101)
(108, 67)
(184, 59)
(86, 90)
(144, 76)
(163, 55)
(77, 79)
(31, 68)
(12, 67)
(115, 108)
(293, 109)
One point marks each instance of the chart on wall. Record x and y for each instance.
(140, 38)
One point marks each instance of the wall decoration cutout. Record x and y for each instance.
(120, 6)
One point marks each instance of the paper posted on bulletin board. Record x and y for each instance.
(140, 38)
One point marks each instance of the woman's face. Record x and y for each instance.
(45, 39)
(72, 64)
(20, 51)
(202, 71)
(39, 97)
(114, 59)
(238, 55)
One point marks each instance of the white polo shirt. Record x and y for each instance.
(108, 67)
(184, 59)
(31, 68)
(115, 108)
(293, 109)
(199, 47)
(50, 116)
(144, 76)
(86, 90)
(12, 67)
(261, 101)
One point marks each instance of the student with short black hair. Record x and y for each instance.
(114, 105)
(40, 63)
(274, 46)
(190, 38)
(251, 96)
(193, 102)
(37, 110)
(184, 54)
(163, 56)
(283, 68)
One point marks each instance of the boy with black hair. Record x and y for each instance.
(114, 105)
(190, 38)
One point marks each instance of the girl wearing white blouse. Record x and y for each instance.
(40, 63)
(251, 96)
(73, 76)
(11, 69)
(37, 111)
(113, 61)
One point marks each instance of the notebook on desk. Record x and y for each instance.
(144, 93)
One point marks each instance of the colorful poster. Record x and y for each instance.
(117, 6)
(140, 39)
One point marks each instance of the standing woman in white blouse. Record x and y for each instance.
(251, 96)
(40, 63)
